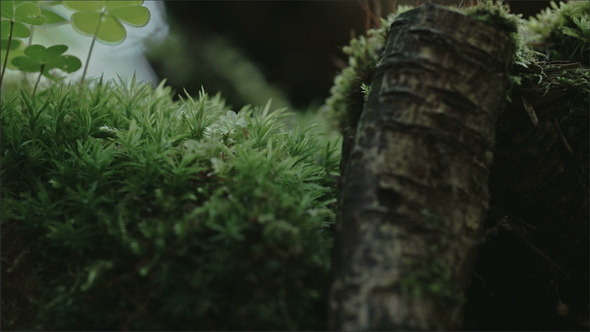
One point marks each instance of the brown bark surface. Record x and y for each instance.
(414, 194)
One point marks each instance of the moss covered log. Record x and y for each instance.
(123, 209)
(534, 257)
(414, 194)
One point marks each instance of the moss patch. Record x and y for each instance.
(139, 212)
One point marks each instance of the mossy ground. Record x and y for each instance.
(128, 210)
(125, 209)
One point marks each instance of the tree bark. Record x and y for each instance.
(414, 194)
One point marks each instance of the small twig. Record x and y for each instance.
(483, 283)
(30, 42)
(508, 223)
(365, 7)
(562, 137)
(521, 234)
(38, 79)
(512, 217)
(377, 13)
(530, 111)
(7, 51)
(370, 16)
(547, 258)
(90, 50)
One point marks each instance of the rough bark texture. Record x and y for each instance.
(415, 194)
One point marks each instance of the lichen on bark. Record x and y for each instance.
(423, 143)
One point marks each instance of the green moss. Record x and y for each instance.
(431, 278)
(347, 96)
(144, 213)
(562, 31)
(352, 84)
(432, 219)
(497, 14)
(494, 13)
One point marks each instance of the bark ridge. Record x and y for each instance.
(414, 194)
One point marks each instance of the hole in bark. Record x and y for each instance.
(388, 198)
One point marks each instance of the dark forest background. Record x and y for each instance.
(296, 45)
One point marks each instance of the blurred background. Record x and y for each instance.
(255, 50)
(250, 51)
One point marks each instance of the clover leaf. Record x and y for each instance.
(37, 58)
(52, 16)
(15, 14)
(13, 45)
(6, 55)
(46, 61)
(14, 17)
(104, 19)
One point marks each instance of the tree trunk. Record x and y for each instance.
(414, 194)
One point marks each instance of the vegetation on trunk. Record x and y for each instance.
(537, 225)
(414, 195)
(125, 209)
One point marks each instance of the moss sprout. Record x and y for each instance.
(563, 31)
(352, 84)
(140, 212)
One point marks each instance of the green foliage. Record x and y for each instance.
(143, 213)
(345, 103)
(352, 85)
(217, 62)
(47, 61)
(104, 19)
(494, 13)
(498, 15)
(17, 19)
(44, 60)
(563, 31)
(51, 15)
(431, 278)
(15, 16)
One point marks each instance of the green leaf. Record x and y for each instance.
(19, 30)
(7, 9)
(110, 5)
(109, 17)
(111, 31)
(45, 55)
(53, 17)
(12, 54)
(134, 16)
(86, 6)
(36, 52)
(29, 13)
(26, 64)
(14, 44)
(55, 51)
(37, 57)
(85, 22)
(67, 63)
